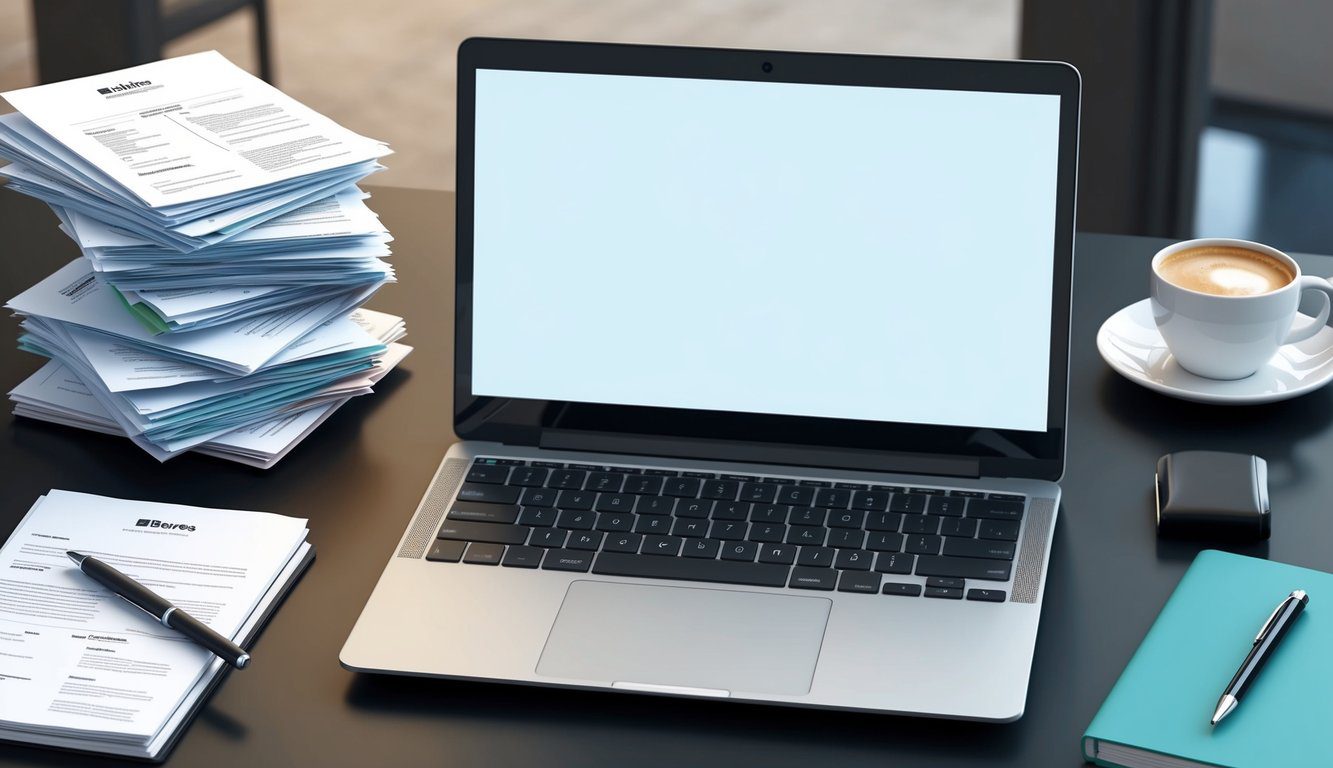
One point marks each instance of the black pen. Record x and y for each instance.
(160, 609)
(1265, 643)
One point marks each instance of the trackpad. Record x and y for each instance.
(716, 640)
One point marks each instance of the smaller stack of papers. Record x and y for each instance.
(226, 250)
(84, 670)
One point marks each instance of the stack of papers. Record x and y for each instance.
(87, 671)
(226, 247)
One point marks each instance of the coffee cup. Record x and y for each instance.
(1225, 307)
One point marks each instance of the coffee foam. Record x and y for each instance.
(1224, 270)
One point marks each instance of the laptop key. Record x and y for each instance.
(690, 569)
(859, 581)
(446, 551)
(483, 513)
(846, 519)
(870, 501)
(884, 521)
(964, 568)
(484, 554)
(575, 500)
(585, 540)
(567, 560)
(894, 562)
(900, 588)
(853, 560)
(604, 482)
(649, 485)
(964, 527)
(724, 490)
(995, 509)
(832, 498)
(489, 494)
(884, 542)
(487, 473)
(566, 479)
(685, 526)
(548, 538)
(522, 557)
(797, 495)
(615, 502)
(731, 510)
(537, 516)
(816, 557)
(908, 503)
(947, 593)
(768, 533)
(654, 505)
(777, 554)
(653, 524)
(727, 530)
(744, 551)
(807, 516)
(622, 542)
(806, 535)
(704, 548)
(923, 544)
(538, 497)
(846, 539)
(697, 508)
(761, 493)
(684, 487)
(996, 550)
(921, 524)
(768, 513)
(1001, 530)
(529, 476)
(661, 545)
(986, 595)
(575, 519)
(614, 521)
(950, 506)
(824, 579)
(945, 581)
(489, 533)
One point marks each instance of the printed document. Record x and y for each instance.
(191, 128)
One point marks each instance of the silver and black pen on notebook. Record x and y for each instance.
(160, 608)
(1265, 643)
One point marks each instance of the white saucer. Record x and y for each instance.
(1129, 342)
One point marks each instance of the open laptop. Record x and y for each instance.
(761, 369)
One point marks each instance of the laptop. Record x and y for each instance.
(760, 376)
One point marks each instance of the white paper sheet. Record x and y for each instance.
(187, 129)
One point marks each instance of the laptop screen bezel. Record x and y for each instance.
(839, 442)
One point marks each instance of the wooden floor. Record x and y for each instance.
(387, 69)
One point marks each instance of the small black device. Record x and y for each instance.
(1213, 494)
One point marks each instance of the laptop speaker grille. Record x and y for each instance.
(428, 518)
(1027, 579)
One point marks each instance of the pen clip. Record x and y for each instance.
(1269, 621)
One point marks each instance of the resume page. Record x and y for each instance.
(74, 657)
(190, 128)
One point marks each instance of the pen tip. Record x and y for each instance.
(1224, 708)
(75, 556)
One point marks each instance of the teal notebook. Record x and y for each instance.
(1157, 714)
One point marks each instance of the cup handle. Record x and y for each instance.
(1309, 328)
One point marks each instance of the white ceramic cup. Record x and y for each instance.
(1231, 337)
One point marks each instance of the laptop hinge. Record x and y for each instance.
(791, 455)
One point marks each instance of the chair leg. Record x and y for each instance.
(262, 41)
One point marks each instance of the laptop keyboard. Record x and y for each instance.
(735, 529)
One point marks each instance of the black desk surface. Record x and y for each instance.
(359, 477)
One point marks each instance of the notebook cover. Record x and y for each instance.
(1167, 694)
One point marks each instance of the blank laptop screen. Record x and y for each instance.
(880, 254)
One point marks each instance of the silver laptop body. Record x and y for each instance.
(874, 534)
